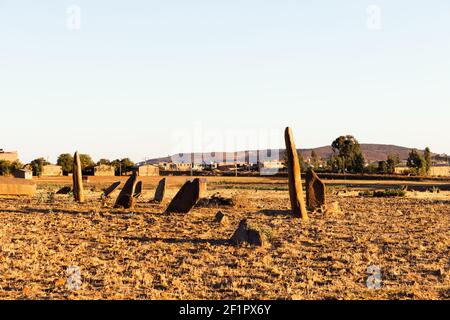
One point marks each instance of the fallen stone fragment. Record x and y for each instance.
(221, 218)
(186, 198)
(315, 191)
(248, 234)
(216, 200)
(126, 199)
(64, 190)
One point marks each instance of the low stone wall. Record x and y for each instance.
(17, 187)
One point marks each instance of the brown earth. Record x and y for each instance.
(145, 254)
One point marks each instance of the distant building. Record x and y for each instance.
(23, 174)
(104, 170)
(270, 167)
(9, 156)
(435, 170)
(148, 170)
(51, 170)
(440, 170)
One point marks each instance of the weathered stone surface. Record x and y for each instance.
(138, 190)
(221, 218)
(111, 189)
(294, 173)
(203, 187)
(248, 234)
(160, 191)
(78, 191)
(17, 187)
(315, 191)
(186, 197)
(126, 196)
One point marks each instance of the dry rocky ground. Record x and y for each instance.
(145, 254)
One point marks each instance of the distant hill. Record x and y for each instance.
(372, 153)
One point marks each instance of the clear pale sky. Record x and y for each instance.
(138, 75)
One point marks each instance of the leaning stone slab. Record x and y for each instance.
(126, 196)
(315, 191)
(110, 189)
(138, 190)
(186, 197)
(17, 187)
(245, 233)
(160, 191)
(294, 174)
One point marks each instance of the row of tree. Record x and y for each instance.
(347, 157)
(65, 160)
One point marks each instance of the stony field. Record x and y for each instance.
(145, 254)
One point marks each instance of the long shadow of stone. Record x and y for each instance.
(213, 242)
(270, 212)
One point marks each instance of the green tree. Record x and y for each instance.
(382, 167)
(315, 161)
(37, 166)
(103, 162)
(122, 166)
(349, 151)
(5, 167)
(391, 162)
(417, 162)
(86, 161)
(428, 160)
(65, 160)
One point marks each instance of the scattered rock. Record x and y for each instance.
(315, 191)
(125, 199)
(186, 197)
(248, 234)
(221, 218)
(160, 191)
(294, 174)
(333, 209)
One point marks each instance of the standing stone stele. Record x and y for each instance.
(294, 174)
(77, 177)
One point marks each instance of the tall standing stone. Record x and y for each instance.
(77, 177)
(315, 191)
(126, 197)
(186, 197)
(160, 191)
(294, 174)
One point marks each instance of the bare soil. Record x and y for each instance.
(146, 254)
